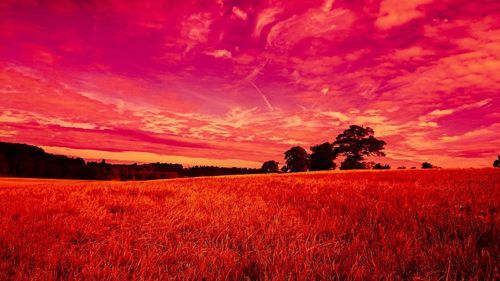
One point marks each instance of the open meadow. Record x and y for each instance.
(385, 225)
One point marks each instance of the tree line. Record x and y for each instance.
(22, 160)
(354, 145)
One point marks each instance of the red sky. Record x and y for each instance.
(239, 82)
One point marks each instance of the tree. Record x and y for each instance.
(352, 163)
(355, 144)
(322, 157)
(496, 163)
(379, 166)
(4, 165)
(427, 165)
(297, 159)
(284, 169)
(270, 166)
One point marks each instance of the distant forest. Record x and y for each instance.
(22, 160)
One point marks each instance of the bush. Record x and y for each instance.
(427, 165)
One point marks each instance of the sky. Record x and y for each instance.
(236, 83)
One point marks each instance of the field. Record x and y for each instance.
(386, 225)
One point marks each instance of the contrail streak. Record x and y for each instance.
(263, 96)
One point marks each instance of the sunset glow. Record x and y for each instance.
(235, 83)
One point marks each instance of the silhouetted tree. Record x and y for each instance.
(198, 171)
(427, 165)
(270, 166)
(21, 160)
(496, 163)
(297, 159)
(369, 164)
(355, 143)
(352, 163)
(322, 157)
(284, 169)
(401, 167)
(379, 166)
(4, 165)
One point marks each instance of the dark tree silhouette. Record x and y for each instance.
(401, 167)
(284, 169)
(322, 157)
(496, 163)
(353, 163)
(355, 143)
(379, 166)
(270, 166)
(21, 160)
(427, 165)
(297, 159)
(4, 165)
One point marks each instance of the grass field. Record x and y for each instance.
(386, 225)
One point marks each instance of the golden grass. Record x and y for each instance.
(386, 225)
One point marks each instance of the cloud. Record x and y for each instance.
(293, 142)
(395, 13)
(195, 29)
(286, 141)
(265, 17)
(162, 123)
(319, 22)
(239, 13)
(442, 112)
(221, 53)
(411, 53)
(7, 133)
(9, 117)
(438, 113)
(239, 117)
(67, 124)
(338, 115)
(428, 124)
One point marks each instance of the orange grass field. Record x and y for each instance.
(385, 225)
